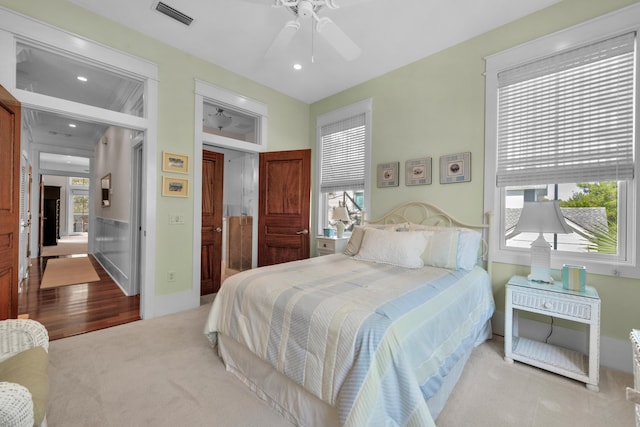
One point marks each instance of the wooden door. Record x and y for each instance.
(211, 251)
(9, 203)
(51, 216)
(283, 223)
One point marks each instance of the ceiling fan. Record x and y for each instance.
(305, 10)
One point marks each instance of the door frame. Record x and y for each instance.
(17, 26)
(213, 142)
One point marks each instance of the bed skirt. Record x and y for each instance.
(299, 406)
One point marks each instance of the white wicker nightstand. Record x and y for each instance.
(330, 245)
(553, 300)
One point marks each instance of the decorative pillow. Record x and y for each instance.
(442, 248)
(353, 245)
(399, 249)
(467, 248)
(388, 227)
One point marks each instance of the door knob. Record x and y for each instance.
(305, 231)
(218, 230)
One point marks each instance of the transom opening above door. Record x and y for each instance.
(219, 119)
(59, 74)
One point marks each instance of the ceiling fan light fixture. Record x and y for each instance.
(305, 9)
(219, 120)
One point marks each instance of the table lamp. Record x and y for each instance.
(340, 216)
(541, 217)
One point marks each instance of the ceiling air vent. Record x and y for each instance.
(173, 13)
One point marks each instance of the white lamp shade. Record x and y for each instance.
(542, 217)
(340, 214)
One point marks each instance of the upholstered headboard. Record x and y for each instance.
(425, 213)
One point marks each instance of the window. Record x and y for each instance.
(343, 162)
(562, 127)
(79, 197)
(230, 120)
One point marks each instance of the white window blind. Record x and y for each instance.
(343, 155)
(569, 117)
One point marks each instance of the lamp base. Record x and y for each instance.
(540, 261)
(540, 277)
(340, 229)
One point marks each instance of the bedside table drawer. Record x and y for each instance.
(326, 245)
(552, 305)
(330, 245)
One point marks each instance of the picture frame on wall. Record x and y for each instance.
(175, 187)
(388, 174)
(455, 168)
(172, 162)
(418, 171)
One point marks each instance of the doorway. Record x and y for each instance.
(124, 93)
(228, 238)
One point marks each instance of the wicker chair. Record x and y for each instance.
(16, 403)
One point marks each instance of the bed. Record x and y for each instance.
(378, 335)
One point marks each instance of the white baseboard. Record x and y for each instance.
(174, 303)
(614, 353)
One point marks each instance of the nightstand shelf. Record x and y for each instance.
(553, 300)
(568, 362)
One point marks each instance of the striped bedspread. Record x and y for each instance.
(373, 340)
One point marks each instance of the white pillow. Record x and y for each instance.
(467, 247)
(442, 248)
(399, 249)
(353, 245)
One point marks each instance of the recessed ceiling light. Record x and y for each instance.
(82, 78)
(297, 67)
(72, 125)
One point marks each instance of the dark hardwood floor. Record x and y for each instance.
(76, 309)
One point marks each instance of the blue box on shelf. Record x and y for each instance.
(574, 277)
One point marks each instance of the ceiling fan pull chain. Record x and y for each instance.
(313, 39)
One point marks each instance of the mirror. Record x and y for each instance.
(106, 190)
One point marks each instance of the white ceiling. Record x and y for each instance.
(235, 34)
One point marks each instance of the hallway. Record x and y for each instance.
(71, 310)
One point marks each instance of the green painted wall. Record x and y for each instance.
(435, 106)
(432, 107)
(287, 123)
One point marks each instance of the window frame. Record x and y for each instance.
(609, 25)
(361, 107)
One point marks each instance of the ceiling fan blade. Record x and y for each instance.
(283, 38)
(338, 39)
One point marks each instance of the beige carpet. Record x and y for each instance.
(68, 271)
(163, 372)
(69, 245)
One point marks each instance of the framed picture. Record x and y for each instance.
(388, 174)
(175, 187)
(172, 162)
(418, 171)
(455, 168)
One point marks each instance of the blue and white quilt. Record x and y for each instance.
(375, 341)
